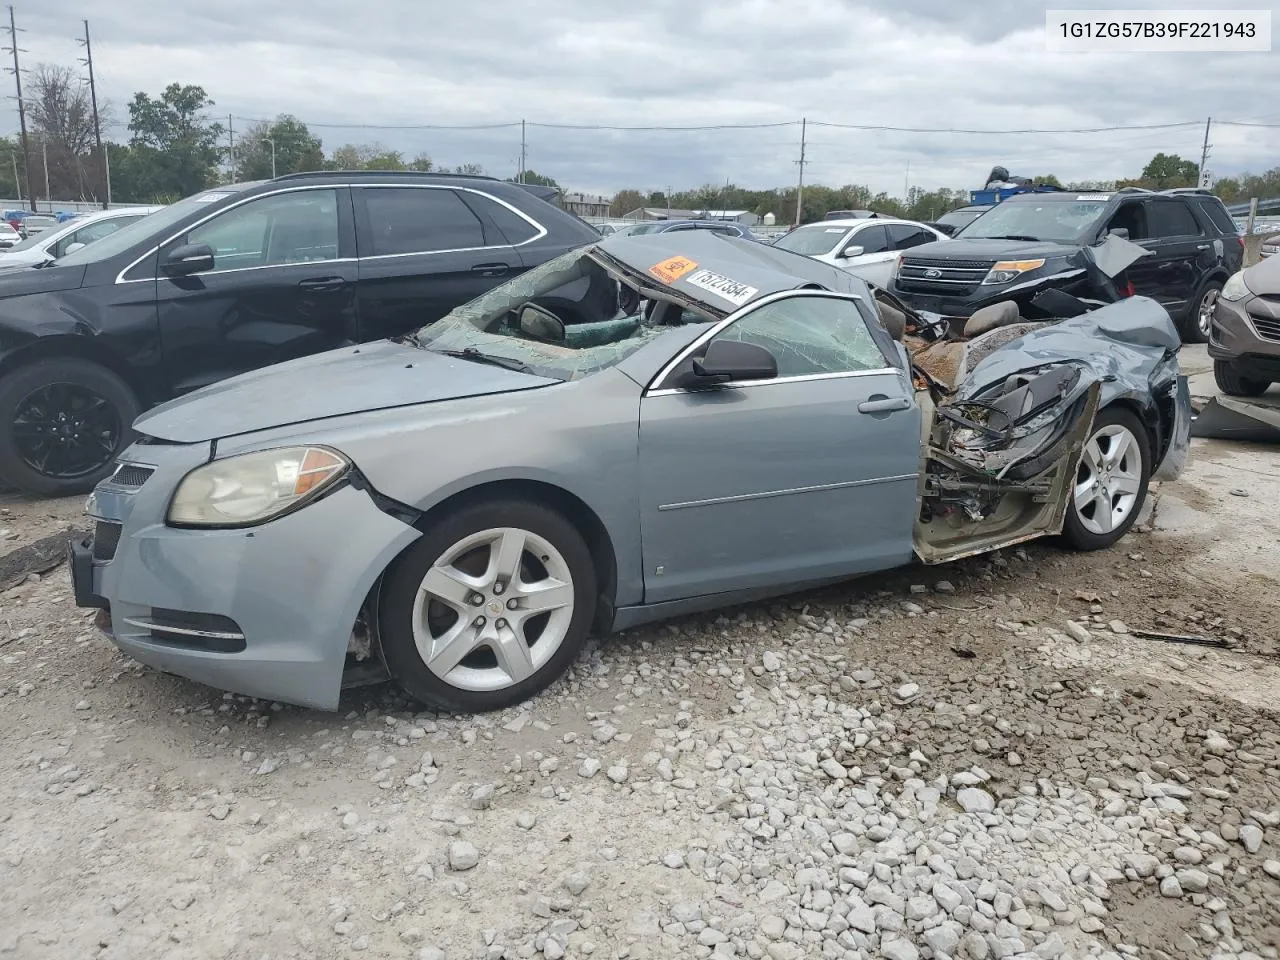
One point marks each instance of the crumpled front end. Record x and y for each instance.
(1005, 442)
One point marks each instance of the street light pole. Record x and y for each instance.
(273, 156)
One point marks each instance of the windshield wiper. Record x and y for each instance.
(479, 356)
(1016, 236)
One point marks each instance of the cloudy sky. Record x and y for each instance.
(372, 71)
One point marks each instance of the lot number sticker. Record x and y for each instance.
(723, 287)
(672, 269)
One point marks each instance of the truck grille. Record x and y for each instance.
(1267, 328)
(950, 278)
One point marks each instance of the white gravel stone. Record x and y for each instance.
(1169, 887)
(1192, 881)
(834, 769)
(463, 855)
(1272, 868)
(973, 800)
(618, 773)
(590, 767)
(1251, 837)
(1078, 632)
(896, 948)
(771, 661)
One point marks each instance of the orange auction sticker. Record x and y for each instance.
(672, 269)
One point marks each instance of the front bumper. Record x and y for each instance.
(1247, 333)
(265, 611)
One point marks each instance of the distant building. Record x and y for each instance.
(585, 204)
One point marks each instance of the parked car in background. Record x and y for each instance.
(953, 221)
(865, 246)
(460, 509)
(14, 218)
(849, 214)
(723, 227)
(35, 224)
(236, 278)
(70, 236)
(1033, 241)
(9, 236)
(1244, 340)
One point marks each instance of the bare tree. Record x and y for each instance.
(62, 117)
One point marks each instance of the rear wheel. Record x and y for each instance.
(1234, 385)
(489, 607)
(1198, 320)
(1111, 481)
(63, 422)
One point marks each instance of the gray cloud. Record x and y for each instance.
(905, 63)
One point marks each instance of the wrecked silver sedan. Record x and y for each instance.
(641, 428)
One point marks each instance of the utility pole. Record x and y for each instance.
(668, 202)
(802, 161)
(273, 156)
(106, 166)
(231, 147)
(22, 110)
(906, 185)
(97, 126)
(1204, 154)
(48, 190)
(523, 153)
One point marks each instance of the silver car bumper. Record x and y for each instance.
(265, 611)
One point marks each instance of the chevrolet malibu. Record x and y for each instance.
(640, 428)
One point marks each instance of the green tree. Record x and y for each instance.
(535, 178)
(421, 163)
(627, 201)
(295, 149)
(174, 139)
(470, 170)
(1167, 170)
(1048, 179)
(368, 156)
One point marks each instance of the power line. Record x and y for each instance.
(1134, 126)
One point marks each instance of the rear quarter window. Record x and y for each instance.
(514, 228)
(1218, 216)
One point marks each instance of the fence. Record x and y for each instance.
(58, 206)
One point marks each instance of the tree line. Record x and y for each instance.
(175, 148)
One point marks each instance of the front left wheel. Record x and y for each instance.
(489, 607)
(1111, 481)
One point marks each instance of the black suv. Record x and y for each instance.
(1015, 248)
(236, 278)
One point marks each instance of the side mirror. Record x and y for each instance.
(1121, 232)
(541, 324)
(188, 259)
(853, 250)
(73, 247)
(729, 360)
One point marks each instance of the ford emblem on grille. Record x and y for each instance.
(933, 274)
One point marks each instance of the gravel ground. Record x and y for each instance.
(980, 760)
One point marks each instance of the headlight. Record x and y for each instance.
(1235, 288)
(254, 487)
(1007, 271)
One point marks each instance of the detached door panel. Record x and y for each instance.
(807, 476)
(282, 286)
(423, 251)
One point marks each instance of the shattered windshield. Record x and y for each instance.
(812, 241)
(1058, 221)
(567, 318)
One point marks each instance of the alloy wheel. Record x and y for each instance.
(65, 431)
(1204, 319)
(493, 609)
(1108, 480)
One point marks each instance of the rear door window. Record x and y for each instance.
(1171, 218)
(906, 235)
(403, 220)
(515, 229)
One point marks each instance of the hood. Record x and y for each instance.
(371, 376)
(1263, 278)
(16, 259)
(25, 279)
(963, 248)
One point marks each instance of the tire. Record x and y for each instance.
(505, 664)
(1234, 385)
(1086, 526)
(63, 422)
(1195, 322)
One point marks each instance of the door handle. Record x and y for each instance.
(883, 404)
(490, 269)
(1202, 246)
(323, 284)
